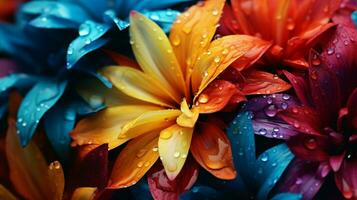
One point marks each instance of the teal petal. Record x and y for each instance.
(35, 104)
(354, 17)
(287, 196)
(21, 81)
(163, 18)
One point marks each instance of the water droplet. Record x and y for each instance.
(70, 51)
(155, 149)
(225, 51)
(176, 40)
(84, 29)
(269, 100)
(140, 164)
(203, 98)
(140, 153)
(313, 75)
(310, 143)
(286, 96)
(262, 131)
(19, 120)
(215, 12)
(183, 156)
(55, 165)
(276, 129)
(217, 59)
(165, 135)
(316, 61)
(298, 181)
(270, 111)
(284, 105)
(290, 25)
(330, 51)
(172, 167)
(24, 124)
(96, 101)
(87, 41)
(160, 38)
(70, 116)
(154, 17)
(345, 42)
(264, 157)
(177, 154)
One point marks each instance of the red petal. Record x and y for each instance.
(215, 97)
(162, 188)
(122, 60)
(91, 166)
(346, 179)
(228, 22)
(300, 86)
(211, 149)
(259, 82)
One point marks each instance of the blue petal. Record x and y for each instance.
(354, 17)
(89, 39)
(110, 17)
(141, 190)
(164, 18)
(201, 192)
(287, 196)
(154, 5)
(35, 104)
(20, 81)
(95, 7)
(270, 165)
(59, 121)
(50, 14)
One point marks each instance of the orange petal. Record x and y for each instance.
(215, 97)
(28, 167)
(211, 149)
(134, 161)
(221, 53)
(56, 175)
(122, 60)
(84, 193)
(259, 82)
(138, 85)
(174, 143)
(153, 51)
(6, 194)
(193, 31)
(105, 126)
(149, 121)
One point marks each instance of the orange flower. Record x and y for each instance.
(292, 25)
(157, 106)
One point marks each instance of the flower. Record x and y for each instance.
(161, 104)
(320, 127)
(292, 26)
(92, 19)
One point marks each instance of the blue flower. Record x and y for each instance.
(93, 19)
(45, 47)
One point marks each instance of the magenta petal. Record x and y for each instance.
(265, 110)
(301, 177)
(162, 188)
(352, 104)
(7, 67)
(346, 179)
(300, 86)
(336, 161)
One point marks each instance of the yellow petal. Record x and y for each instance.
(105, 126)
(154, 54)
(189, 116)
(6, 194)
(134, 161)
(149, 121)
(221, 53)
(174, 144)
(55, 172)
(193, 31)
(138, 85)
(28, 167)
(96, 94)
(84, 193)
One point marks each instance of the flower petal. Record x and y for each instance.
(301, 177)
(215, 97)
(346, 180)
(55, 172)
(162, 188)
(149, 121)
(193, 31)
(212, 150)
(260, 82)
(105, 126)
(221, 53)
(154, 54)
(84, 193)
(174, 144)
(122, 60)
(6, 194)
(138, 85)
(134, 161)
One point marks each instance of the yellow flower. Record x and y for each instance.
(159, 104)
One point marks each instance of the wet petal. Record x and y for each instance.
(164, 18)
(212, 150)
(346, 180)
(134, 160)
(161, 187)
(122, 60)
(56, 175)
(300, 86)
(221, 53)
(301, 177)
(155, 55)
(174, 144)
(189, 117)
(90, 38)
(215, 97)
(138, 85)
(193, 31)
(35, 104)
(28, 167)
(149, 121)
(105, 126)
